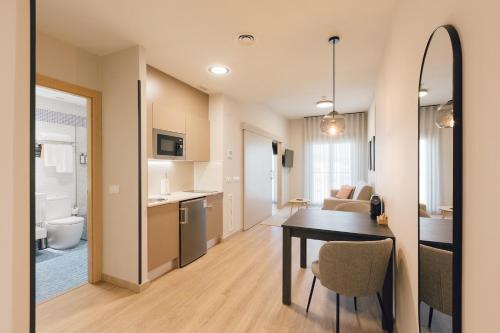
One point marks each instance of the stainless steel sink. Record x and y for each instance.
(155, 200)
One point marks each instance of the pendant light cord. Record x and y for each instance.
(333, 79)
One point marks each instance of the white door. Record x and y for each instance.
(257, 204)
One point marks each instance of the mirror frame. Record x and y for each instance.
(457, 173)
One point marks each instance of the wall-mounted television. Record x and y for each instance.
(287, 159)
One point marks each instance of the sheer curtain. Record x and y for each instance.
(429, 159)
(333, 161)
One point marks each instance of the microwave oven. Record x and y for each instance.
(168, 145)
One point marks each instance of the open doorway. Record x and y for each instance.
(67, 173)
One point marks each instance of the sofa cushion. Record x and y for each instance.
(363, 191)
(344, 192)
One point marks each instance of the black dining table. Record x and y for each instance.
(330, 225)
(437, 232)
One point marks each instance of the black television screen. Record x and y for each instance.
(288, 158)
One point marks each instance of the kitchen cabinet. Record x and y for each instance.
(214, 216)
(175, 106)
(163, 234)
(168, 118)
(150, 129)
(197, 138)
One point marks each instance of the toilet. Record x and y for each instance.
(63, 230)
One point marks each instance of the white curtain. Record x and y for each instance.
(429, 159)
(333, 161)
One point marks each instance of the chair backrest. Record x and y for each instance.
(422, 210)
(436, 278)
(354, 268)
(363, 191)
(358, 207)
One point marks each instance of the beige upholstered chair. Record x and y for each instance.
(357, 207)
(422, 210)
(435, 278)
(352, 269)
(362, 193)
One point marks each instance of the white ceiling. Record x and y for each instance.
(288, 69)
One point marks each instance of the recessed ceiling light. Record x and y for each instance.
(423, 92)
(324, 103)
(219, 70)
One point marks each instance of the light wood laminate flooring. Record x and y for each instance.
(235, 287)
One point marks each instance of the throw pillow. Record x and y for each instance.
(344, 192)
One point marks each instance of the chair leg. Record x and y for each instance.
(431, 312)
(311, 294)
(355, 304)
(381, 305)
(338, 313)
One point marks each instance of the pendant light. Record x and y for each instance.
(333, 123)
(444, 117)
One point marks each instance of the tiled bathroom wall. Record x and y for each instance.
(60, 117)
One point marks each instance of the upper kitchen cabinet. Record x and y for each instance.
(197, 138)
(175, 106)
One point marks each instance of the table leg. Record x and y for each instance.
(287, 267)
(388, 294)
(303, 252)
(291, 209)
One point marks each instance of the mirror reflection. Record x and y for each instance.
(436, 123)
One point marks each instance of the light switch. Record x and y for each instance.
(236, 179)
(228, 179)
(229, 154)
(114, 189)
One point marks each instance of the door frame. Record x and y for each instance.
(94, 171)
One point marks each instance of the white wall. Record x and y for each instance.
(14, 169)
(120, 72)
(226, 119)
(67, 62)
(396, 119)
(179, 174)
(47, 179)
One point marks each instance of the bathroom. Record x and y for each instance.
(61, 192)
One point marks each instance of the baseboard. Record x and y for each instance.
(229, 236)
(136, 288)
(162, 269)
(213, 242)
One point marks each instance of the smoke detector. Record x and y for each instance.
(246, 39)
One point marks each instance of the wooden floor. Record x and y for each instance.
(235, 287)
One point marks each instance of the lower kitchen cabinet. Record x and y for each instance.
(214, 216)
(163, 234)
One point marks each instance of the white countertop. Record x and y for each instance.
(179, 196)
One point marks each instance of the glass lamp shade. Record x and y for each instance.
(444, 117)
(332, 124)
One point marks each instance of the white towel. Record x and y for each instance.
(60, 156)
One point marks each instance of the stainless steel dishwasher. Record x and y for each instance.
(193, 230)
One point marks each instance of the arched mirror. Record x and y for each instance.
(440, 183)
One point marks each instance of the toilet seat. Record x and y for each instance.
(66, 220)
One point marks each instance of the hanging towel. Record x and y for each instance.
(60, 156)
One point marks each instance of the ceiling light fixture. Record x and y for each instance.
(423, 92)
(333, 123)
(324, 103)
(219, 70)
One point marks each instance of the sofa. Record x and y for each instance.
(362, 193)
